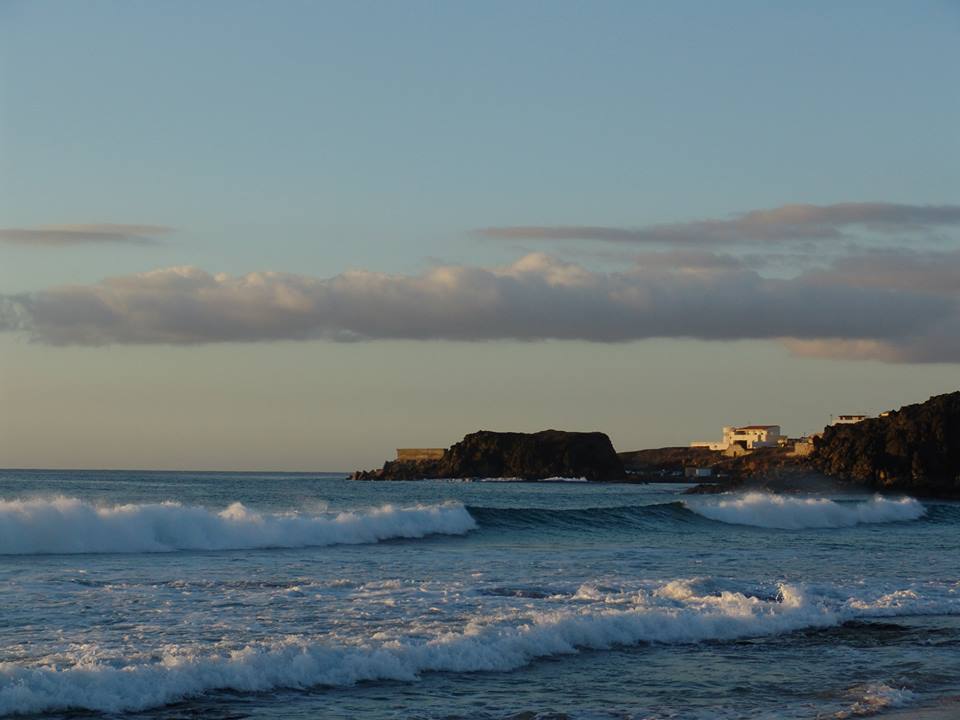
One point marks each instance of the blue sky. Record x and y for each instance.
(315, 138)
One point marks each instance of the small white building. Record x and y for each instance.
(746, 436)
(849, 419)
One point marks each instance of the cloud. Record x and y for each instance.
(896, 268)
(933, 339)
(689, 260)
(788, 222)
(62, 235)
(536, 298)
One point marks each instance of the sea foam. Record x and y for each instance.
(795, 513)
(874, 698)
(70, 525)
(676, 612)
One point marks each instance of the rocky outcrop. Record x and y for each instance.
(914, 450)
(776, 470)
(526, 456)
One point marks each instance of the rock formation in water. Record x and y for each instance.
(526, 456)
(914, 450)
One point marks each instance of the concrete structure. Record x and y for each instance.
(736, 451)
(698, 472)
(410, 454)
(849, 419)
(747, 437)
(802, 447)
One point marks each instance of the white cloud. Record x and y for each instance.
(538, 297)
(787, 222)
(61, 235)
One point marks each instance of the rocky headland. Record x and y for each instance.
(914, 450)
(525, 456)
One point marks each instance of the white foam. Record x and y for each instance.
(70, 525)
(795, 513)
(874, 698)
(676, 612)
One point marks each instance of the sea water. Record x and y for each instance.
(219, 595)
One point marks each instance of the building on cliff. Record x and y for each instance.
(747, 437)
(849, 419)
(803, 447)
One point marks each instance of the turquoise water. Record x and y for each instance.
(173, 595)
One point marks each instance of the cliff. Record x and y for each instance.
(915, 450)
(527, 456)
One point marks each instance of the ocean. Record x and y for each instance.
(267, 595)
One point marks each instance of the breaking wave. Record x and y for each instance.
(793, 513)
(677, 612)
(69, 525)
(756, 509)
(583, 519)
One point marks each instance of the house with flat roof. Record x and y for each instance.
(849, 419)
(748, 437)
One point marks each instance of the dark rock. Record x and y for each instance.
(915, 450)
(526, 456)
(769, 471)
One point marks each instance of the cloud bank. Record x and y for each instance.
(788, 222)
(65, 235)
(870, 309)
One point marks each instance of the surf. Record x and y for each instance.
(760, 510)
(797, 513)
(68, 525)
(674, 612)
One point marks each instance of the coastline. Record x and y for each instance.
(911, 451)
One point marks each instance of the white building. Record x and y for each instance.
(849, 419)
(746, 436)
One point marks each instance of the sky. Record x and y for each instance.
(297, 235)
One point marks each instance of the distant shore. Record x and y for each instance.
(913, 451)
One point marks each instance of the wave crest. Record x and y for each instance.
(794, 513)
(70, 525)
(678, 612)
